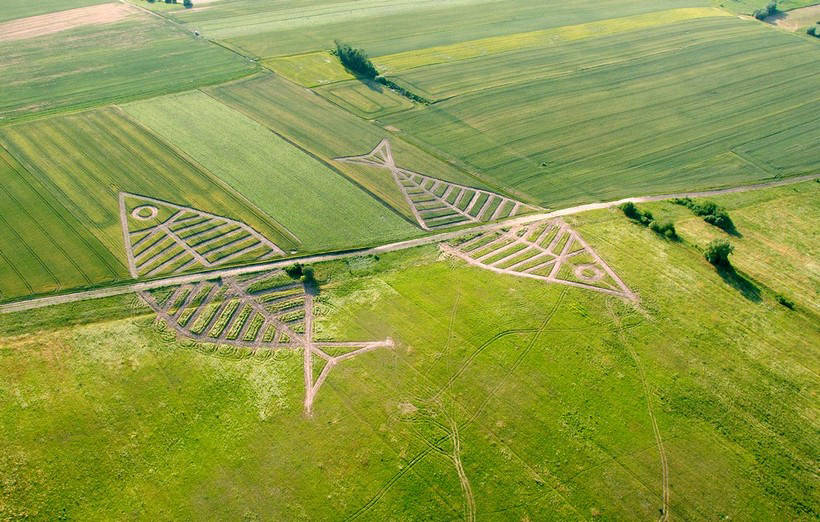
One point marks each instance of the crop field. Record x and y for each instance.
(310, 69)
(673, 111)
(115, 155)
(328, 131)
(103, 63)
(295, 189)
(13, 9)
(502, 394)
(266, 30)
(369, 100)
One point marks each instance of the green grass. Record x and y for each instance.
(105, 419)
(78, 164)
(317, 205)
(265, 29)
(13, 9)
(138, 57)
(672, 108)
(369, 100)
(328, 131)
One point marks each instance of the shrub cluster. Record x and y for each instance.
(785, 301)
(401, 90)
(717, 252)
(769, 10)
(355, 60)
(812, 31)
(294, 271)
(645, 218)
(710, 212)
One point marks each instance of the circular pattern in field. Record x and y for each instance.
(589, 273)
(144, 212)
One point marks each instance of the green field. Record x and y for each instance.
(369, 100)
(328, 131)
(680, 106)
(266, 29)
(137, 57)
(320, 208)
(537, 395)
(310, 70)
(114, 154)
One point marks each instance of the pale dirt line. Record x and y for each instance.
(39, 302)
(469, 499)
(647, 393)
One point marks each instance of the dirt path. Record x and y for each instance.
(648, 394)
(40, 302)
(466, 489)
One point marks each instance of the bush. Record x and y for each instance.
(718, 251)
(812, 31)
(785, 301)
(356, 61)
(308, 275)
(294, 271)
(666, 229)
(632, 212)
(187, 3)
(711, 212)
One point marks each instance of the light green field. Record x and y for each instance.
(310, 70)
(13, 9)
(266, 29)
(704, 103)
(369, 100)
(540, 394)
(538, 39)
(81, 162)
(328, 131)
(317, 205)
(138, 57)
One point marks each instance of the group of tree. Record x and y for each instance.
(298, 271)
(356, 61)
(645, 218)
(187, 3)
(711, 212)
(769, 10)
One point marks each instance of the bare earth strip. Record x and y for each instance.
(40, 302)
(51, 23)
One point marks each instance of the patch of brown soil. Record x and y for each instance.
(63, 20)
(796, 18)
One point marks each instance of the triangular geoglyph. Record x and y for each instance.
(437, 203)
(548, 250)
(162, 238)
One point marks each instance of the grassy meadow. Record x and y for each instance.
(698, 104)
(537, 395)
(319, 208)
(140, 56)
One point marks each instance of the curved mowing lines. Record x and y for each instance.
(224, 311)
(437, 203)
(546, 250)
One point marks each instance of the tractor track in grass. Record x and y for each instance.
(39, 302)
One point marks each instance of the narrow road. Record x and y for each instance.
(40, 302)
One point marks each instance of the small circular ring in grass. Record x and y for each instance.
(589, 273)
(144, 212)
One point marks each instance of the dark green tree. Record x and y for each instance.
(356, 61)
(717, 252)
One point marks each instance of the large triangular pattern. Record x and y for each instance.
(437, 203)
(547, 250)
(266, 311)
(162, 238)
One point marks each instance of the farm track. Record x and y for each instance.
(41, 302)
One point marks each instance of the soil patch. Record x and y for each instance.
(50, 23)
(796, 18)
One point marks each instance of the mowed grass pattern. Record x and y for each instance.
(318, 206)
(533, 387)
(677, 114)
(82, 161)
(96, 64)
(369, 100)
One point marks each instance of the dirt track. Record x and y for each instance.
(40, 302)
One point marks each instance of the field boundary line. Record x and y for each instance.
(108, 291)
